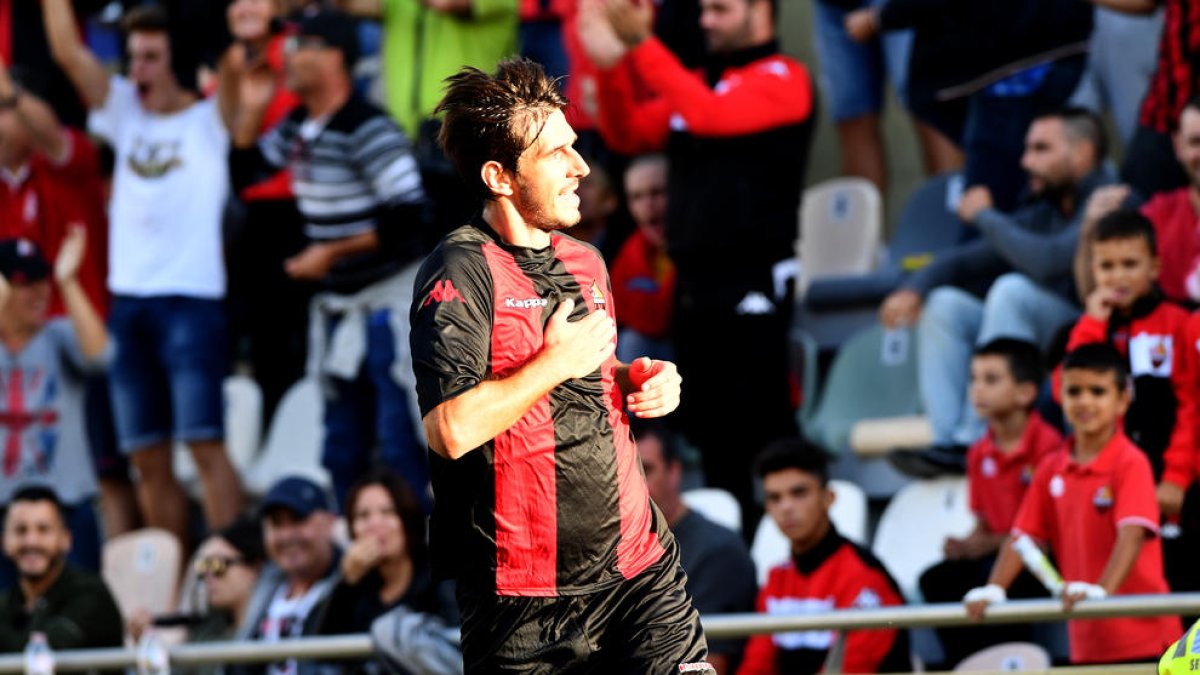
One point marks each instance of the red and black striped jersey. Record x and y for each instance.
(557, 504)
(1174, 81)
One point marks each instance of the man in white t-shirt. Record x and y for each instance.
(166, 271)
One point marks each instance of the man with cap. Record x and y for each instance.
(43, 368)
(298, 520)
(359, 193)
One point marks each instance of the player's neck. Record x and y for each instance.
(502, 216)
(1087, 446)
(1008, 429)
(800, 547)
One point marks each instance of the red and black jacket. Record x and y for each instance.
(737, 135)
(557, 504)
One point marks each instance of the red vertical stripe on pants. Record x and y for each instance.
(526, 508)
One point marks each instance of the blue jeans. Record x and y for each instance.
(370, 412)
(954, 322)
(1121, 60)
(853, 75)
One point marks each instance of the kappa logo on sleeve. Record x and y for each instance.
(443, 291)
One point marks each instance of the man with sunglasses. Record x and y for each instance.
(358, 190)
(72, 607)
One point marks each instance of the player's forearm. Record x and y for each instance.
(89, 327)
(68, 50)
(359, 243)
(1122, 558)
(462, 424)
(1007, 567)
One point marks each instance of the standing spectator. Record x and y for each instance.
(643, 275)
(165, 263)
(297, 519)
(825, 572)
(1022, 266)
(43, 365)
(1121, 60)
(72, 607)
(385, 568)
(359, 190)
(737, 137)
(1094, 506)
(720, 574)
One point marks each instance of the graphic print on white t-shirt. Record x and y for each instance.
(285, 619)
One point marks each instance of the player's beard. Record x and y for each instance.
(55, 562)
(536, 213)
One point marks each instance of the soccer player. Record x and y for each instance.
(542, 512)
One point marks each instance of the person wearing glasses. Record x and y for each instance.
(228, 563)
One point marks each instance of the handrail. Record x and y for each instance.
(715, 626)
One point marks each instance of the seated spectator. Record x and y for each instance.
(359, 191)
(387, 566)
(297, 519)
(228, 563)
(1006, 376)
(167, 273)
(72, 607)
(44, 364)
(720, 574)
(1094, 506)
(825, 572)
(1021, 265)
(1127, 310)
(643, 276)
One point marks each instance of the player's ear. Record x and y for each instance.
(497, 179)
(830, 495)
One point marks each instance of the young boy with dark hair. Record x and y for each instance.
(1128, 311)
(824, 572)
(1095, 506)
(1005, 377)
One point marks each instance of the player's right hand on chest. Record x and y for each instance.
(577, 348)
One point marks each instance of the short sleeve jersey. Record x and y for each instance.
(556, 504)
(998, 479)
(1078, 509)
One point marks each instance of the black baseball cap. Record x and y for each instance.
(297, 494)
(336, 30)
(22, 262)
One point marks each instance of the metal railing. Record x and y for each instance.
(715, 626)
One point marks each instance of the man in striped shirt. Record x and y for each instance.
(358, 189)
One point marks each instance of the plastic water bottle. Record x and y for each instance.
(39, 659)
(152, 656)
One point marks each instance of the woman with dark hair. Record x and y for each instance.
(385, 575)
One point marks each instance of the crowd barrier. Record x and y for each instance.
(715, 626)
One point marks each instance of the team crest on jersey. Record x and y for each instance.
(867, 599)
(1057, 486)
(988, 467)
(1150, 355)
(1026, 474)
(597, 296)
(443, 291)
(1103, 499)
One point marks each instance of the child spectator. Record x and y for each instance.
(1005, 377)
(643, 275)
(1094, 506)
(825, 572)
(1128, 311)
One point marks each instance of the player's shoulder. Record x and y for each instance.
(458, 257)
(569, 249)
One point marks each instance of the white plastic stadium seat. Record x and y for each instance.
(717, 505)
(916, 523)
(293, 445)
(142, 570)
(841, 223)
(1010, 657)
(849, 516)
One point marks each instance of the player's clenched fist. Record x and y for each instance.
(577, 348)
(657, 385)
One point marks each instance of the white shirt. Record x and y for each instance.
(285, 619)
(170, 185)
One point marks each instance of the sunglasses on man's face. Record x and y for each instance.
(215, 565)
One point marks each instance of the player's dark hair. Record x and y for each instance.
(1124, 224)
(1081, 124)
(1099, 357)
(656, 428)
(793, 453)
(412, 519)
(40, 493)
(1024, 359)
(154, 19)
(495, 117)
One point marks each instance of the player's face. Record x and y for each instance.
(374, 516)
(35, 538)
(726, 24)
(150, 68)
(994, 392)
(646, 193)
(1187, 144)
(1125, 267)
(301, 547)
(1092, 401)
(1048, 157)
(250, 19)
(548, 176)
(662, 479)
(228, 579)
(798, 504)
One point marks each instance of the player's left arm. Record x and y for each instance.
(866, 649)
(1120, 562)
(651, 387)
